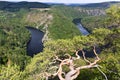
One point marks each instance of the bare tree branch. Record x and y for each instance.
(76, 53)
(85, 57)
(102, 73)
(74, 72)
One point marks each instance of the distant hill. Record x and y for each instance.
(4, 5)
(97, 5)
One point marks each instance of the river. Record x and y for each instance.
(35, 44)
(77, 22)
(82, 29)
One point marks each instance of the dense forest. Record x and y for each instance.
(64, 56)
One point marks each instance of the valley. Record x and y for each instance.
(36, 38)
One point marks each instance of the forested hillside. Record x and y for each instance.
(13, 6)
(66, 50)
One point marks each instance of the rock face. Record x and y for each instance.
(40, 17)
(92, 12)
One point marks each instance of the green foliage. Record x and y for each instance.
(101, 34)
(109, 61)
(60, 46)
(16, 6)
(13, 38)
(10, 72)
(2, 38)
(113, 41)
(110, 65)
(65, 46)
(113, 15)
(65, 39)
(70, 12)
(39, 64)
(92, 22)
(62, 26)
(81, 42)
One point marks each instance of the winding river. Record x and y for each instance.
(35, 44)
(77, 22)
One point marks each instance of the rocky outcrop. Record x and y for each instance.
(92, 12)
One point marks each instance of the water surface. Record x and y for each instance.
(82, 29)
(35, 44)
